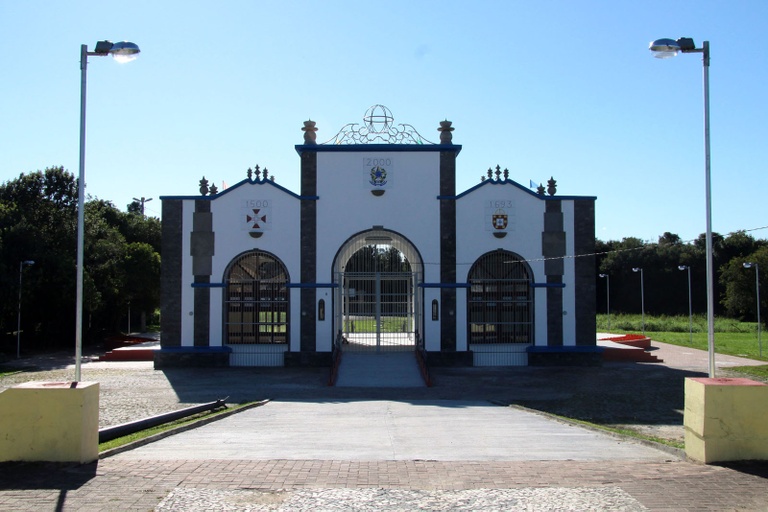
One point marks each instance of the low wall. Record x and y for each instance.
(50, 421)
(726, 419)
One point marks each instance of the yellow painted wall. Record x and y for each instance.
(726, 419)
(50, 421)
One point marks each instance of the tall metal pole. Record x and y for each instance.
(757, 289)
(80, 216)
(690, 307)
(710, 262)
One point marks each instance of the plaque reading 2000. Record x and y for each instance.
(377, 162)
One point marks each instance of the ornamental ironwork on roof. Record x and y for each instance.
(378, 128)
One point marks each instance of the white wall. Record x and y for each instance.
(280, 237)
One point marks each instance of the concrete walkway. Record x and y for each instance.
(443, 430)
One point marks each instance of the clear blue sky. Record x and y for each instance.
(548, 88)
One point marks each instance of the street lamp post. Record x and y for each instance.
(642, 294)
(750, 264)
(690, 307)
(122, 52)
(22, 264)
(666, 48)
(607, 298)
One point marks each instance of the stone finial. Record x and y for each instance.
(445, 132)
(540, 189)
(266, 173)
(214, 190)
(551, 186)
(490, 173)
(506, 174)
(204, 186)
(258, 173)
(310, 135)
(498, 172)
(272, 178)
(482, 178)
(249, 173)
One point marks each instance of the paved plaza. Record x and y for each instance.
(389, 449)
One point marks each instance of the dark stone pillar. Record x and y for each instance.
(170, 273)
(308, 249)
(586, 293)
(201, 249)
(553, 248)
(448, 250)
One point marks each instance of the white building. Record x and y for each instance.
(378, 252)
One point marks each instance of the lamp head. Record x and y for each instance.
(636, 269)
(664, 48)
(748, 264)
(28, 262)
(682, 267)
(124, 51)
(603, 275)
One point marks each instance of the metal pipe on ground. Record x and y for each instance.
(124, 429)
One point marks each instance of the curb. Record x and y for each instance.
(162, 435)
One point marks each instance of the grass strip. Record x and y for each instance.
(152, 434)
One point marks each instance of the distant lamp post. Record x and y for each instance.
(750, 264)
(22, 264)
(122, 52)
(690, 307)
(642, 295)
(607, 298)
(663, 49)
(141, 202)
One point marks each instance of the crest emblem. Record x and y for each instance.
(499, 219)
(378, 176)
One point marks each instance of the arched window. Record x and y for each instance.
(500, 302)
(256, 305)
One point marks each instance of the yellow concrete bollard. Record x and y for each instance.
(726, 419)
(50, 421)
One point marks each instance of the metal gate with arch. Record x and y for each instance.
(378, 301)
(379, 311)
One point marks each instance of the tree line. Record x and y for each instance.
(665, 285)
(38, 223)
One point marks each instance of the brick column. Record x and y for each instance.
(170, 273)
(553, 248)
(308, 249)
(448, 251)
(201, 249)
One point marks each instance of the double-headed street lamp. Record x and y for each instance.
(642, 294)
(607, 298)
(22, 264)
(690, 307)
(750, 264)
(122, 52)
(666, 48)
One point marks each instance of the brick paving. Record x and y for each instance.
(117, 484)
(113, 484)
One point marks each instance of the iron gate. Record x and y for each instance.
(379, 311)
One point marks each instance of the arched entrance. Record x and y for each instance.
(256, 309)
(500, 309)
(378, 303)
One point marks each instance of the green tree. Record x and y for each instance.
(739, 284)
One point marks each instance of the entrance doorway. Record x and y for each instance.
(378, 300)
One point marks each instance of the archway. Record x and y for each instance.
(500, 309)
(378, 301)
(256, 309)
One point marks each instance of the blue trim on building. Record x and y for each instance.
(209, 285)
(547, 285)
(195, 350)
(240, 184)
(565, 349)
(376, 148)
(521, 187)
(444, 285)
(312, 285)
